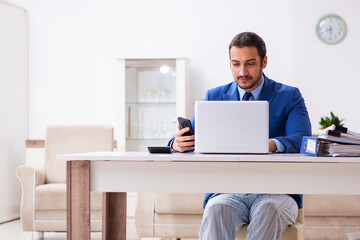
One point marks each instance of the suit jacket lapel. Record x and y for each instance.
(267, 93)
(232, 94)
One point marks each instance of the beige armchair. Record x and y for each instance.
(43, 202)
(179, 215)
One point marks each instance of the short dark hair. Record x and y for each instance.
(249, 39)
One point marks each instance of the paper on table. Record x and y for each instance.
(332, 133)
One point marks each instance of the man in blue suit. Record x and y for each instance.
(268, 215)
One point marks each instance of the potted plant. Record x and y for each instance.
(328, 121)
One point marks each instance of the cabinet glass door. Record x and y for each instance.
(150, 102)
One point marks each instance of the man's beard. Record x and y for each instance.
(254, 83)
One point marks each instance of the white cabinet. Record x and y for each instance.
(153, 95)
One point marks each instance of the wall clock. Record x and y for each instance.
(331, 29)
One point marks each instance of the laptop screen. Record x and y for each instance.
(232, 126)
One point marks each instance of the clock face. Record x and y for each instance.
(331, 29)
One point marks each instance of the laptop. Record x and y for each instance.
(232, 127)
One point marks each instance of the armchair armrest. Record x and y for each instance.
(29, 177)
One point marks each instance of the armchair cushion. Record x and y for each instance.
(53, 196)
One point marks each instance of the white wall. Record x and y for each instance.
(74, 46)
(13, 106)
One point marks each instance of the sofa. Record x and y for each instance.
(178, 215)
(331, 216)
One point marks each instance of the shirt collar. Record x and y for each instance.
(255, 92)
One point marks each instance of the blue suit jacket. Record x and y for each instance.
(288, 117)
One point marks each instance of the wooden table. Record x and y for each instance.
(115, 173)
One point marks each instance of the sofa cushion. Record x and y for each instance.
(181, 226)
(179, 203)
(332, 205)
(335, 222)
(53, 196)
(177, 219)
(328, 233)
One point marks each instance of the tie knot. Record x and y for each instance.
(247, 96)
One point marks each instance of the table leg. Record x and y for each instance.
(78, 200)
(114, 216)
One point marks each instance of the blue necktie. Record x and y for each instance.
(246, 96)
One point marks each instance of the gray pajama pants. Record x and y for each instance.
(268, 215)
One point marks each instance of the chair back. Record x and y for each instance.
(67, 139)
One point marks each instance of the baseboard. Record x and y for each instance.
(9, 218)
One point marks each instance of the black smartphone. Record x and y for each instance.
(184, 122)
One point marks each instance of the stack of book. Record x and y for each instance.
(334, 141)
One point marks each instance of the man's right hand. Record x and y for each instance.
(183, 143)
